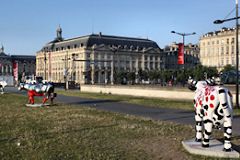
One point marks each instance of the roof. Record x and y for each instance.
(92, 39)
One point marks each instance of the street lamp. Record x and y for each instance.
(237, 59)
(183, 35)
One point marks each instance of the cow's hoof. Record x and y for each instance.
(205, 145)
(227, 150)
(198, 140)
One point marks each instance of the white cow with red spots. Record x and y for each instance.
(213, 108)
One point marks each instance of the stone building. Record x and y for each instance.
(191, 56)
(96, 58)
(25, 65)
(217, 48)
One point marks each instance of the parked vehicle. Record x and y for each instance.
(229, 77)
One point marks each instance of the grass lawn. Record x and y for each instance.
(73, 132)
(156, 102)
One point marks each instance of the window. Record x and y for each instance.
(222, 62)
(146, 58)
(233, 49)
(227, 41)
(208, 53)
(233, 60)
(217, 51)
(217, 41)
(232, 40)
(212, 51)
(227, 60)
(227, 50)
(203, 52)
(222, 41)
(222, 50)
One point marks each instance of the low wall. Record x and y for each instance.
(144, 91)
(140, 91)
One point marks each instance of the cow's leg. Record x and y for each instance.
(198, 128)
(32, 98)
(227, 124)
(51, 100)
(208, 124)
(29, 100)
(46, 98)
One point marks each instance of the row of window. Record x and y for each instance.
(222, 41)
(221, 62)
(217, 52)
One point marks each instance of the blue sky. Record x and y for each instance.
(27, 25)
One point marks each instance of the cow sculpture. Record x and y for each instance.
(2, 86)
(39, 89)
(213, 109)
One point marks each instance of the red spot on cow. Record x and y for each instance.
(211, 105)
(212, 97)
(206, 98)
(206, 89)
(196, 104)
(206, 113)
(200, 103)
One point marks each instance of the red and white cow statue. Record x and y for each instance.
(213, 108)
(39, 89)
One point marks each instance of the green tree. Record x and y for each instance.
(120, 76)
(131, 76)
(153, 75)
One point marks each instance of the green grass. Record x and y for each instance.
(74, 132)
(155, 102)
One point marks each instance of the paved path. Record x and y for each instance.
(163, 114)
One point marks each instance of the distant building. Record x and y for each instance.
(191, 56)
(26, 65)
(217, 48)
(96, 58)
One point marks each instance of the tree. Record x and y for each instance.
(131, 77)
(153, 75)
(121, 76)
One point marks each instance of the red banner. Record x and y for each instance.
(50, 67)
(180, 53)
(15, 70)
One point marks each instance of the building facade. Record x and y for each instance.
(25, 65)
(191, 56)
(96, 58)
(218, 48)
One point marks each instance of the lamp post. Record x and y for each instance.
(237, 50)
(183, 35)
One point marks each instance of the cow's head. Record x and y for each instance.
(192, 84)
(21, 86)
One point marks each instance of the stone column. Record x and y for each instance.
(112, 69)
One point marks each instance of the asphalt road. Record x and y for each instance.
(156, 113)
